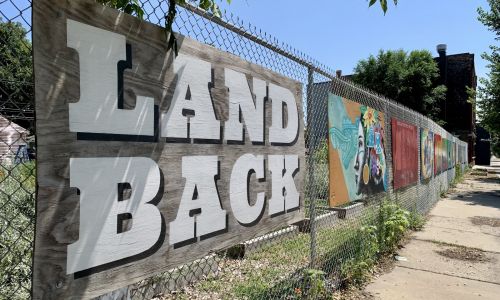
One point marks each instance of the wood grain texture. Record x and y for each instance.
(57, 84)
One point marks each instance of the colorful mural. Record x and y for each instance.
(449, 148)
(356, 150)
(444, 155)
(404, 153)
(426, 154)
(438, 156)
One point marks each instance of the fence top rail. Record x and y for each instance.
(297, 57)
(300, 59)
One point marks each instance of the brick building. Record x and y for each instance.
(457, 72)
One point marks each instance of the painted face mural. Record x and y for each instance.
(356, 150)
(360, 156)
(426, 153)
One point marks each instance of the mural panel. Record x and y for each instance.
(356, 150)
(426, 153)
(404, 153)
(438, 156)
(444, 155)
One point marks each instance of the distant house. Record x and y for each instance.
(12, 137)
(457, 73)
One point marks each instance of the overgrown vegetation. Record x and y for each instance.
(320, 181)
(459, 175)
(345, 255)
(416, 220)
(17, 215)
(380, 238)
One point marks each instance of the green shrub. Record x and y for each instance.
(381, 237)
(392, 224)
(356, 269)
(314, 284)
(416, 220)
(17, 217)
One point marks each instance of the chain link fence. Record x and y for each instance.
(17, 167)
(307, 259)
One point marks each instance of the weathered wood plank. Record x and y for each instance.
(57, 77)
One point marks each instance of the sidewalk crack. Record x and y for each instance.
(450, 275)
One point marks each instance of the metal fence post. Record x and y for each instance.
(311, 138)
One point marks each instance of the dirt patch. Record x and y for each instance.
(479, 220)
(479, 173)
(352, 293)
(464, 253)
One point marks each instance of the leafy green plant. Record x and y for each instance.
(320, 155)
(392, 224)
(416, 220)
(383, 4)
(314, 284)
(356, 269)
(132, 7)
(17, 215)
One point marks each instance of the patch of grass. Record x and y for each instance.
(257, 284)
(211, 284)
(346, 254)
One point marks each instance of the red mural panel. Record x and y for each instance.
(404, 153)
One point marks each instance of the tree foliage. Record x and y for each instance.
(408, 78)
(383, 4)
(133, 7)
(488, 102)
(16, 71)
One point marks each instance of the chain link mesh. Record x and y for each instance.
(281, 264)
(17, 167)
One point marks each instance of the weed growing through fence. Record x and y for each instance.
(378, 239)
(314, 284)
(346, 255)
(459, 176)
(356, 269)
(416, 220)
(392, 224)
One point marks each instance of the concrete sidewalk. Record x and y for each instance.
(457, 255)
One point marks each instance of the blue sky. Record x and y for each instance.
(338, 33)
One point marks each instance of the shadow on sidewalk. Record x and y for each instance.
(490, 198)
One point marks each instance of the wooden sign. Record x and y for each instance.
(147, 160)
